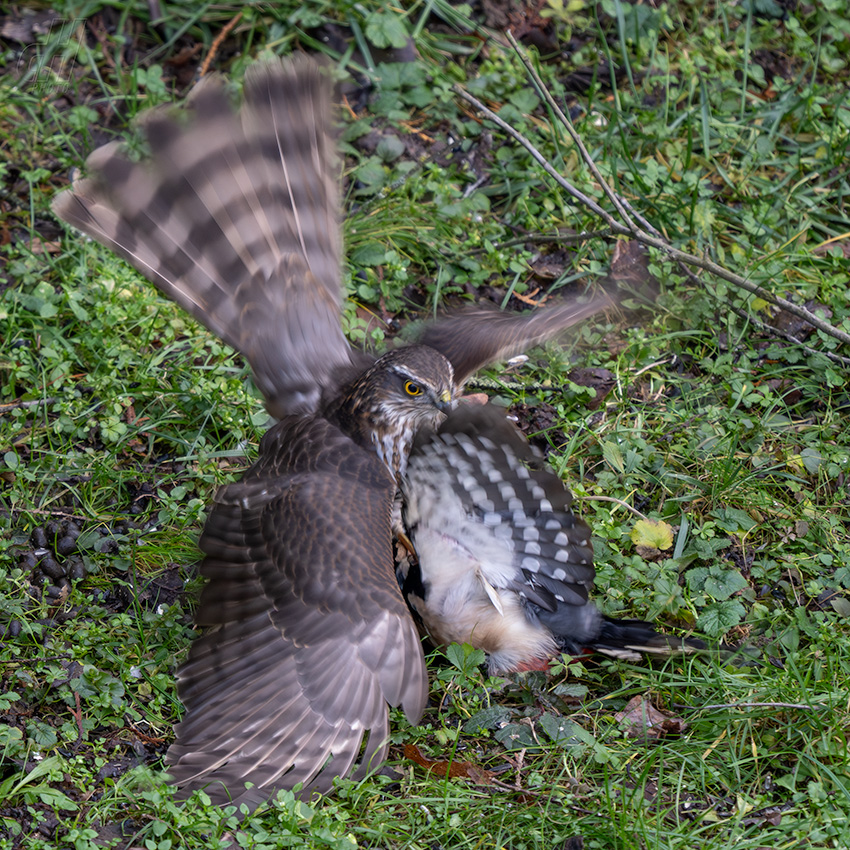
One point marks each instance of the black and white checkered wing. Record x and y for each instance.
(503, 563)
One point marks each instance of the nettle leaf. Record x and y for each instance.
(54, 798)
(42, 735)
(667, 595)
(525, 100)
(613, 456)
(696, 577)
(718, 617)
(708, 549)
(570, 689)
(371, 173)
(561, 731)
(841, 605)
(812, 459)
(464, 657)
(721, 584)
(734, 520)
(494, 717)
(655, 534)
(842, 576)
(384, 29)
(11, 741)
(369, 255)
(390, 148)
(516, 736)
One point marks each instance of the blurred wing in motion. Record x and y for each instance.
(236, 219)
(473, 338)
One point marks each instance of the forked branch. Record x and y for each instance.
(630, 223)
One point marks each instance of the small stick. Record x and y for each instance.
(764, 326)
(205, 66)
(620, 502)
(797, 705)
(78, 716)
(17, 405)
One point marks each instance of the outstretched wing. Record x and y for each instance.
(471, 339)
(236, 218)
(311, 637)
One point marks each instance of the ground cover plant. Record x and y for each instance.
(701, 427)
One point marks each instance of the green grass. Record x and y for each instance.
(727, 128)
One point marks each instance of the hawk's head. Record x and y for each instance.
(403, 391)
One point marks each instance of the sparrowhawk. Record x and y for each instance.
(235, 216)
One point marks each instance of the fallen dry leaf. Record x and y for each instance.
(454, 769)
(643, 720)
(630, 265)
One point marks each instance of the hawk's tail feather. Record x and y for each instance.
(235, 217)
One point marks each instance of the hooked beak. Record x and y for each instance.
(444, 403)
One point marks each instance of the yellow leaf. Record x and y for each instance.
(652, 533)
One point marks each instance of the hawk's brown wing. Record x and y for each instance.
(473, 338)
(311, 637)
(236, 219)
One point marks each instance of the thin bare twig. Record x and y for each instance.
(17, 405)
(219, 39)
(564, 239)
(713, 706)
(619, 502)
(764, 326)
(541, 160)
(612, 196)
(630, 228)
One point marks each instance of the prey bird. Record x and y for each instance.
(500, 561)
(235, 216)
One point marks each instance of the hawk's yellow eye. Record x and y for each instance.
(412, 389)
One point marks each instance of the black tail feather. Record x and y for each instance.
(632, 639)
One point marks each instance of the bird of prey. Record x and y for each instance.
(499, 559)
(235, 216)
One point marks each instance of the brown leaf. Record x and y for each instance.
(599, 379)
(841, 241)
(39, 246)
(530, 298)
(643, 720)
(551, 266)
(454, 769)
(30, 24)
